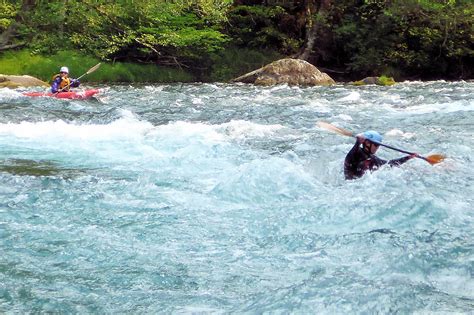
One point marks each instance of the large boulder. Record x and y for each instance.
(14, 81)
(289, 71)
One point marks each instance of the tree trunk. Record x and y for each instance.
(312, 7)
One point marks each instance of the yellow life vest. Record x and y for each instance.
(65, 83)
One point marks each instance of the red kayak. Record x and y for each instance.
(69, 95)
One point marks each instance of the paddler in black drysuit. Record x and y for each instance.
(362, 156)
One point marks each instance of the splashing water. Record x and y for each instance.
(214, 198)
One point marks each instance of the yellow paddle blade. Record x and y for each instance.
(331, 127)
(435, 158)
(93, 68)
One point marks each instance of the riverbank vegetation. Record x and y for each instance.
(215, 40)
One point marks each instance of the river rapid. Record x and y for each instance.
(217, 198)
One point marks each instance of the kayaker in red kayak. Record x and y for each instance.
(62, 82)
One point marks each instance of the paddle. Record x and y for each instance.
(88, 72)
(432, 159)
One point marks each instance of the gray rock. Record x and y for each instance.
(289, 71)
(14, 81)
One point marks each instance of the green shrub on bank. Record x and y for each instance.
(44, 67)
(386, 81)
(131, 72)
(382, 80)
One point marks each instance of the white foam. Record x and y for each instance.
(238, 129)
(183, 129)
(233, 130)
(127, 127)
(422, 83)
(451, 107)
(321, 105)
(154, 88)
(279, 87)
(352, 97)
(397, 133)
(197, 101)
(344, 117)
(7, 94)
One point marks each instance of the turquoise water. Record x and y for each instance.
(214, 198)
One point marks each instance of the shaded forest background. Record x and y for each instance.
(215, 40)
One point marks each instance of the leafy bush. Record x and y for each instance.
(262, 27)
(7, 14)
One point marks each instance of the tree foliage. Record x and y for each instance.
(415, 38)
(159, 31)
(7, 14)
(263, 27)
(405, 39)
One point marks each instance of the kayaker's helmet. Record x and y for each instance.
(373, 136)
(64, 69)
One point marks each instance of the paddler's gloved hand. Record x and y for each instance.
(360, 138)
(75, 83)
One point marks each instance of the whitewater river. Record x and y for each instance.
(214, 198)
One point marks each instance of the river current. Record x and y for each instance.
(217, 198)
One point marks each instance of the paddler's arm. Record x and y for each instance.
(400, 161)
(55, 85)
(353, 157)
(75, 83)
(352, 160)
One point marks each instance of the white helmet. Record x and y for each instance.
(64, 69)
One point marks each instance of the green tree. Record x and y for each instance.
(418, 38)
(263, 27)
(148, 31)
(436, 37)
